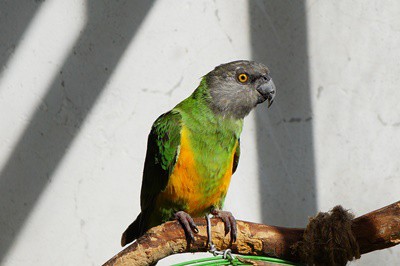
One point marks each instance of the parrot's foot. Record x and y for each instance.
(188, 224)
(229, 221)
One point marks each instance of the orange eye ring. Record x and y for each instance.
(243, 78)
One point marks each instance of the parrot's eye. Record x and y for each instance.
(243, 77)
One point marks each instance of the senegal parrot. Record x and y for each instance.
(193, 150)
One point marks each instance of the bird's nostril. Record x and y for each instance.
(266, 77)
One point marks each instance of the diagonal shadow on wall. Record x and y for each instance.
(15, 17)
(110, 27)
(284, 132)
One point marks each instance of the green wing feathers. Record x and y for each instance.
(162, 147)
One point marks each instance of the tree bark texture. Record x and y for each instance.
(376, 230)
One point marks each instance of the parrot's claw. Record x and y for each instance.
(229, 221)
(188, 224)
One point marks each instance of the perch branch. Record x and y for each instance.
(376, 230)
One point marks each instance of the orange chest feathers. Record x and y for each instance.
(193, 190)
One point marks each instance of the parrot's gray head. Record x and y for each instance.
(237, 87)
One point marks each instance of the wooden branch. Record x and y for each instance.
(376, 230)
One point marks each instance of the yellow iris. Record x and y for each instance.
(243, 78)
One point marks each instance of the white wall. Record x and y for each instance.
(81, 83)
(355, 94)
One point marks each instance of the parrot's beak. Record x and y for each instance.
(267, 91)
